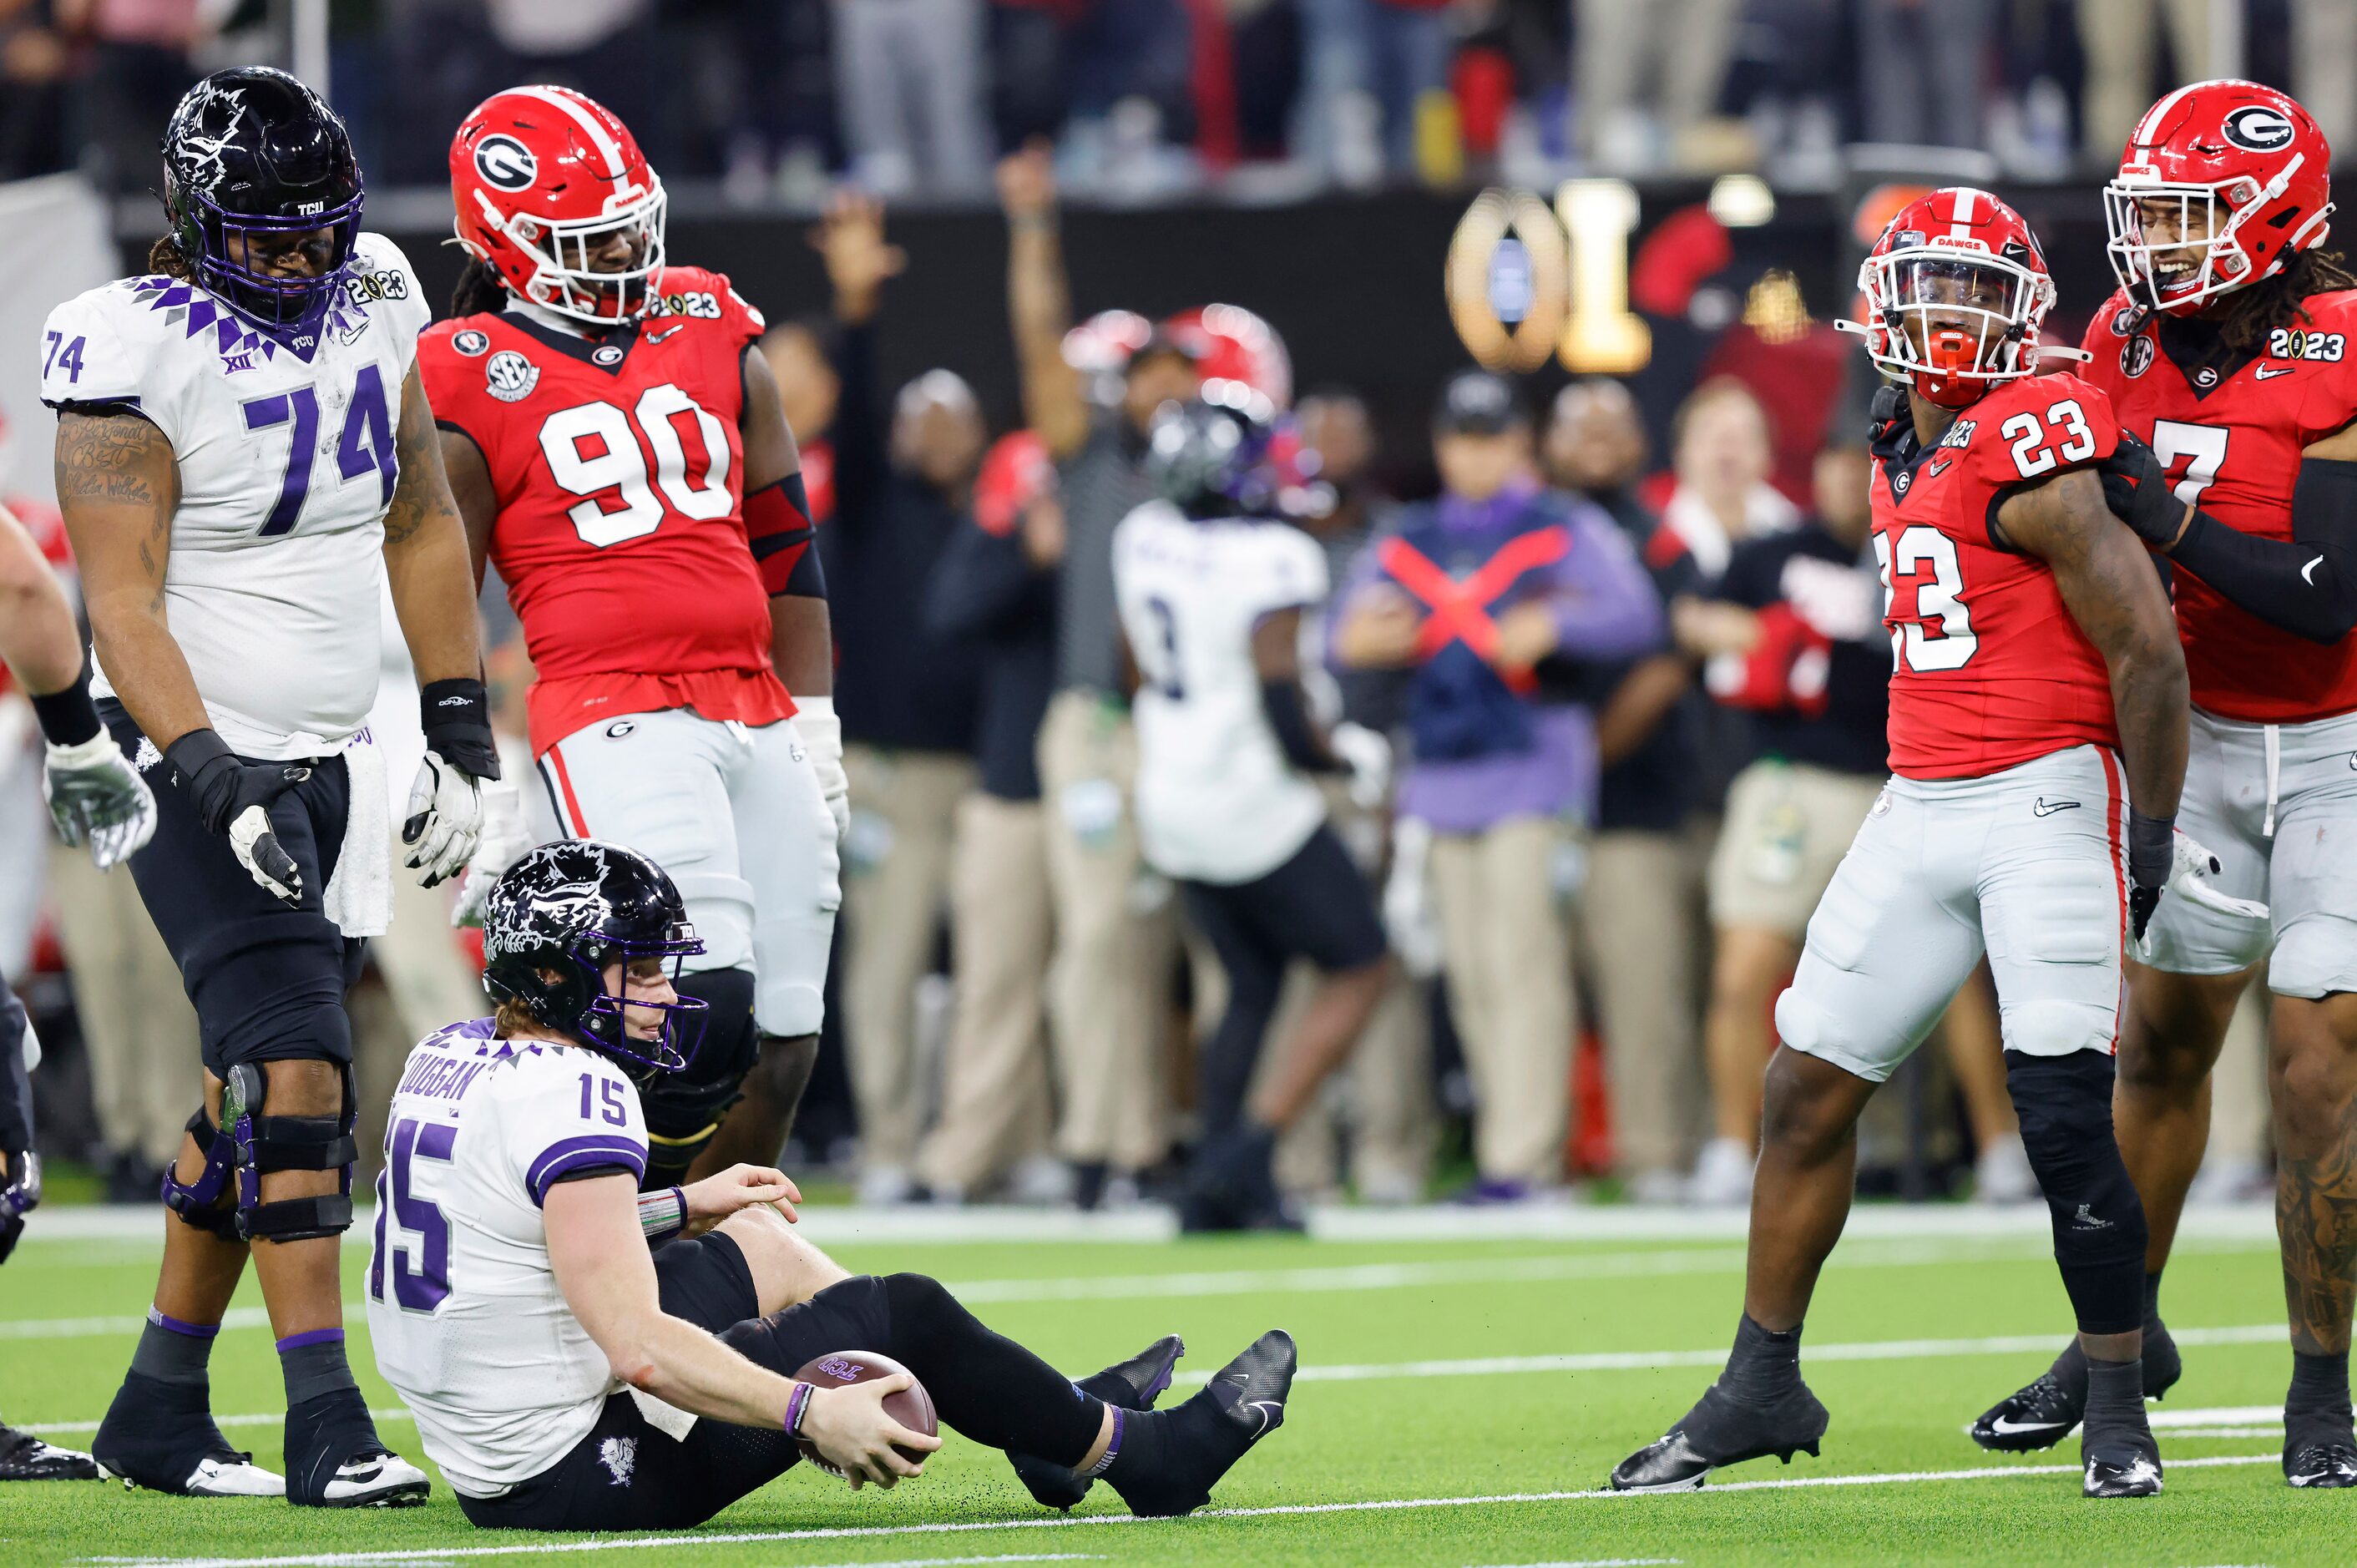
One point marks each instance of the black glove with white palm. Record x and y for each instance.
(233, 795)
(97, 797)
(445, 804)
(2162, 859)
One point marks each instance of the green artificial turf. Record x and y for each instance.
(1414, 1403)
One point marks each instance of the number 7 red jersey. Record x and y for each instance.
(619, 472)
(1989, 670)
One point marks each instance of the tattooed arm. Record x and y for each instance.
(118, 484)
(2112, 591)
(425, 552)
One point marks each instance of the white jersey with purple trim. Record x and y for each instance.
(286, 449)
(463, 1307)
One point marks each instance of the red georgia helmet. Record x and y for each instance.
(542, 178)
(1956, 290)
(1233, 347)
(2250, 173)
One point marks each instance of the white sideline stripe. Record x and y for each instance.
(1598, 1562)
(1604, 1362)
(1263, 1282)
(1068, 1521)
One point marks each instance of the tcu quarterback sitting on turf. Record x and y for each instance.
(618, 447)
(2038, 734)
(567, 1375)
(244, 455)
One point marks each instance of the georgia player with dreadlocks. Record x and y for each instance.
(2230, 353)
(617, 445)
(2038, 723)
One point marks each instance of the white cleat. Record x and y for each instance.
(236, 1477)
(378, 1481)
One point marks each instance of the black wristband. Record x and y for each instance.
(188, 758)
(67, 717)
(2152, 848)
(456, 718)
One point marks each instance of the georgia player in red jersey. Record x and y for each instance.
(616, 444)
(2230, 352)
(2037, 722)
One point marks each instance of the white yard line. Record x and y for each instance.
(625, 1543)
(1607, 1361)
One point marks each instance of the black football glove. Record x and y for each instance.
(2152, 851)
(1889, 408)
(2137, 488)
(233, 795)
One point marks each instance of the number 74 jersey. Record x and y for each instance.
(1989, 668)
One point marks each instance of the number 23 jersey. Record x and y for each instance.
(1988, 668)
(2231, 431)
(283, 442)
(464, 1310)
(619, 472)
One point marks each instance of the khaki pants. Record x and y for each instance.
(145, 1076)
(995, 1105)
(1114, 939)
(2121, 37)
(428, 984)
(1642, 938)
(1505, 946)
(895, 882)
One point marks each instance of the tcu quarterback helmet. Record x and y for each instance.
(1215, 457)
(1955, 292)
(573, 908)
(543, 180)
(251, 152)
(2247, 172)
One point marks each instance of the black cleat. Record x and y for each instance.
(334, 1459)
(2122, 1458)
(1243, 1403)
(25, 1457)
(2320, 1449)
(1721, 1431)
(1231, 1185)
(161, 1436)
(2046, 1409)
(1134, 1384)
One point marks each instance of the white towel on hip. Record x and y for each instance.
(359, 895)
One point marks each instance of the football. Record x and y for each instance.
(912, 1407)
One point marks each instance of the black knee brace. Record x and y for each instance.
(247, 1144)
(683, 1109)
(2065, 1106)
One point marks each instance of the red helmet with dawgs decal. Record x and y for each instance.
(547, 182)
(1955, 292)
(2221, 184)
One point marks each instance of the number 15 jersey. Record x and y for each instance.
(1989, 670)
(619, 472)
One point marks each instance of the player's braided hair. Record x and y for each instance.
(2252, 314)
(478, 291)
(164, 257)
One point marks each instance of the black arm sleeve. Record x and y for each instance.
(1281, 700)
(16, 1084)
(2307, 585)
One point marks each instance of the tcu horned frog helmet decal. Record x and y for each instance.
(554, 921)
(2221, 184)
(546, 183)
(1956, 290)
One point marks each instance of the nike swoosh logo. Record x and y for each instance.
(2046, 807)
(659, 337)
(2307, 573)
(2004, 1428)
(2264, 372)
(1271, 1413)
(1934, 470)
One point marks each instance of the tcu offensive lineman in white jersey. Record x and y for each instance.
(1211, 585)
(244, 455)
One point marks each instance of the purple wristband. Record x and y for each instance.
(797, 1406)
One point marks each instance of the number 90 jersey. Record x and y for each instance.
(464, 1310)
(619, 472)
(2232, 431)
(284, 441)
(1989, 670)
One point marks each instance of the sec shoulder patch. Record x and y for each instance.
(510, 377)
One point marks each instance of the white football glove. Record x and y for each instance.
(1409, 918)
(445, 816)
(1368, 755)
(97, 797)
(2189, 871)
(821, 735)
(503, 842)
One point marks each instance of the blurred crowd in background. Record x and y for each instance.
(766, 100)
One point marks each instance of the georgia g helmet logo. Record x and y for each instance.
(2257, 128)
(505, 162)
